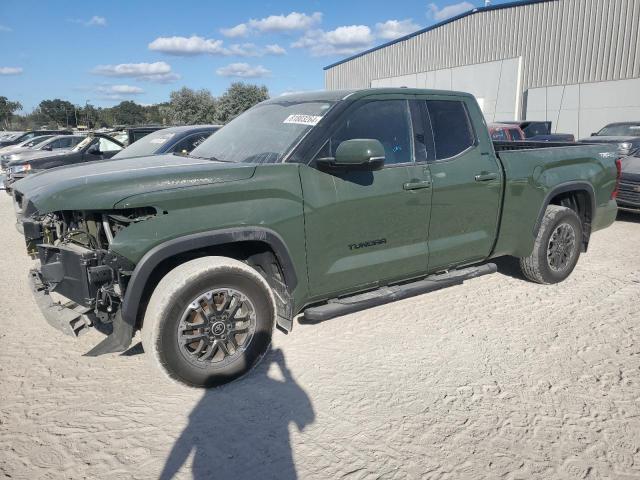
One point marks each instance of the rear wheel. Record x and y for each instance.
(557, 247)
(209, 321)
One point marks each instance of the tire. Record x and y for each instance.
(186, 298)
(548, 265)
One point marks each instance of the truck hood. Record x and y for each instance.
(100, 185)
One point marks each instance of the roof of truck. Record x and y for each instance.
(337, 95)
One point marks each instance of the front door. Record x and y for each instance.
(368, 228)
(467, 184)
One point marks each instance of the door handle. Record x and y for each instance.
(417, 185)
(486, 177)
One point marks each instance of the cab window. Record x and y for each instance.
(106, 145)
(499, 135)
(452, 130)
(192, 141)
(388, 121)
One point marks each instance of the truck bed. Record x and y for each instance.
(529, 145)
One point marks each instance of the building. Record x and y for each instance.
(574, 62)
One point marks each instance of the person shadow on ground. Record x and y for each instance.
(242, 430)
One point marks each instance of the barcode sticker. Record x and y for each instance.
(303, 119)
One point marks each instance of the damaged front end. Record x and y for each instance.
(80, 282)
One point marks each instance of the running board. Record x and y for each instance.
(343, 306)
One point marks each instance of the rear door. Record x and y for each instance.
(368, 228)
(467, 183)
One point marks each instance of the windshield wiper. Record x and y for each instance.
(213, 159)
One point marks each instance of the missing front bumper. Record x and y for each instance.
(70, 318)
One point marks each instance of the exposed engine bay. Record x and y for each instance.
(76, 261)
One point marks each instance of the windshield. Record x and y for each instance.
(147, 145)
(264, 133)
(621, 130)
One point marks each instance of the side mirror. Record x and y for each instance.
(593, 134)
(356, 154)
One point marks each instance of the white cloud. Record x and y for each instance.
(121, 89)
(243, 50)
(341, 41)
(286, 23)
(193, 45)
(10, 70)
(243, 70)
(240, 30)
(97, 21)
(4, 28)
(154, 72)
(275, 49)
(392, 29)
(117, 92)
(449, 11)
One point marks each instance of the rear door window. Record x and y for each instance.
(452, 130)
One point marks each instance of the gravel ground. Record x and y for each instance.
(497, 378)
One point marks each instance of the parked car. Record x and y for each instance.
(30, 143)
(32, 134)
(505, 133)
(91, 148)
(169, 140)
(629, 193)
(136, 133)
(626, 135)
(540, 131)
(5, 153)
(39, 148)
(318, 203)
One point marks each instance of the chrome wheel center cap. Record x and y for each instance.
(218, 328)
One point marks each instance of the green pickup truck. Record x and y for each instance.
(318, 204)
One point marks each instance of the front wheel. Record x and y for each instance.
(209, 321)
(557, 247)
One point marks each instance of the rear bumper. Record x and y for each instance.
(70, 318)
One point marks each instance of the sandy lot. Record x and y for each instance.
(497, 378)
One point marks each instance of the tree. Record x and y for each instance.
(238, 98)
(128, 113)
(58, 112)
(191, 107)
(7, 109)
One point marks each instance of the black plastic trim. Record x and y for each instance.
(564, 188)
(196, 241)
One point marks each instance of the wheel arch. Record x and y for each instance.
(236, 242)
(577, 195)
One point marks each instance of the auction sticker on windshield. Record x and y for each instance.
(303, 119)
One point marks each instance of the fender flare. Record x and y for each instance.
(572, 186)
(159, 253)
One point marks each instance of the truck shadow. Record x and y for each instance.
(509, 266)
(242, 430)
(628, 217)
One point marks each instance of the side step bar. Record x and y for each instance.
(343, 306)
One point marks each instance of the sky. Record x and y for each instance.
(106, 52)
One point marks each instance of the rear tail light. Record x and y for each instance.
(614, 194)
